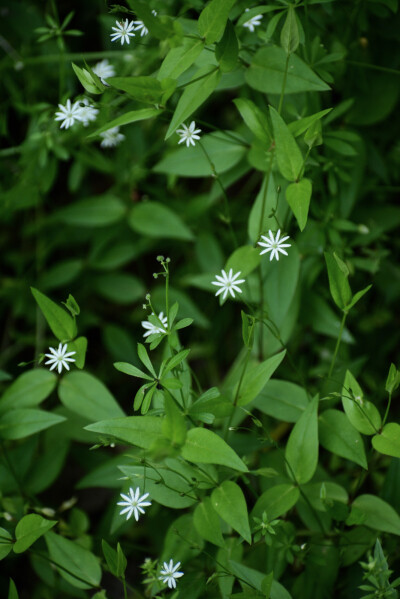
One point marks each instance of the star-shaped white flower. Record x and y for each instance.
(134, 503)
(253, 22)
(103, 70)
(274, 245)
(140, 26)
(68, 114)
(188, 134)
(123, 31)
(169, 573)
(88, 112)
(59, 358)
(111, 138)
(153, 329)
(228, 283)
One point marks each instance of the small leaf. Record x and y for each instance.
(6, 543)
(337, 435)
(87, 80)
(144, 358)
(226, 51)
(338, 280)
(59, 321)
(288, 155)
(79, 566)
(290, 32)
(173, 362)
(302, 446)
(207, 524)
(298, 196)
(388, 440)
(12, 590)
(29, 529)
(256, 378)
(121, 562)
(229, 502)
(380, 515)
(111, 557)
(362, 414)
(276, 501)
(213, 18)
(205, 447)
(131, 370)
(357, 296)
(138, 431)
(393, 379)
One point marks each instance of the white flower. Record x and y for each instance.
(59, 357)
(112, 137)
(123, 31)
(68, 114)
(142, 27)
(153, 329)
(188, 134)
(88, 112)
(169, 573)
(103, 70)
(274, 245)
(228, 283)
(253, 22)
(134, 503)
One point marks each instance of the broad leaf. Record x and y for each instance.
(86, 395)
(213, 18)
(337, 435)
(20, 423)
(276, 501)
(153, 219)
(206, 521)
(139, 431)
(78, 566)
(338, 280)
(283, 400)
(59, 321)
(380, 515)
(362, 414)
(229, 502)
(226, 51)
(93, 212)
(388, 440)
(29, 529)
(302, 446)
(202, 446)
(255, 119)
(133, 116)
(257, 377)
(298, 196)
(28, 390)
(179, 59)
(288, 155)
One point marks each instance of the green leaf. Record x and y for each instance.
(133, 116)
(276, 501)
(5, 545)
(213, 18)
(111, 557)
(227, 50)
(302, 446)
(288, 155)
(159, 27)
(121, 562)
(302, 125)
(93, 212)
(144, 89)
(244, 259)
(298, 196)
(153, 219)
(60, 322)
(262, 209)
(257, 377)
(229, 502)
(283, 400)
(144, 358)
(174, 425)
(29, 529)
(20, 423)
(173, 362)
(28, 390)
(139, 431)
(357, 296)
(79, 346)
(12, 590)
(206, 522)
(338, 280)
(179, 59)
(77, 565)
(267, 72)
(87, 80)
(290, 32)
(131, 370)
(388, 440)
(85, 395)
(191, 162)
(393, 379)
(205, 447)
(379, 514)
(119, 287)
(255, 119)
(362, 414)
(201, 86)
(337, 435)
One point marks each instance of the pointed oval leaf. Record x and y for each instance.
(139, 431)
(29, 389)
(388, 440)
(288, 155)
(6, 543)
(337, 435)
(205, 447)
(276, 501)
(130, 369)
(362, 414)
(20, 423)
(85, 395)
(59, 321)
(206, 521)
(213, 18)
(298, 196)
(29, 529)
(78, 566)
(229, 502)
(380, 515)
(302, 446)
(256, 378)
(153, 219)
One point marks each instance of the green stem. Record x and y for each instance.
(246, 363)
(375, 67)
(51, 561)
(197, 79)
(337, 344)
(283, 84)
(215, 175)
(125, 589)
(299, 176)
(387, 410)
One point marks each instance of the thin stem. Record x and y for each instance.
(375, 67)
(387, 409)
(228, 218)
(261, 335)
(283, 84)
(337, 344)
(246, 363)
(125, 589)
(299, 176)
(197, 78)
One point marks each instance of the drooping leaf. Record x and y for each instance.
(337, 435)
(302, 446)
(298, 196)
(205, 447)
(78, 566)
(58, 319)
(29, 529)
(229, 502)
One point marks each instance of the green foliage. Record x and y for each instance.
(262, 415)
